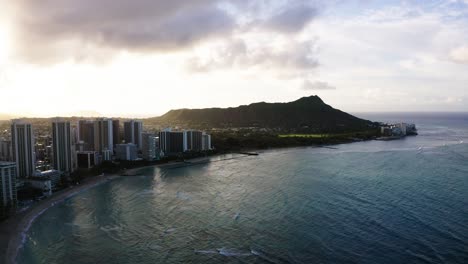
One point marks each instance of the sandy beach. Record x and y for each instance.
(13, 230)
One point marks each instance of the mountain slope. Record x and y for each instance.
(307, 113)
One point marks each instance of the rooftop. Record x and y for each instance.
(7, 163)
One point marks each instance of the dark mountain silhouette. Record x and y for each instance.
(307, 113)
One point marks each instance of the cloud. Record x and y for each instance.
(460, 54)
(289, 57)
(59, 28)
(95, 30)
(317, 85)
(292, 19)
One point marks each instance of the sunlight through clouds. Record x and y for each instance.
(143, 58)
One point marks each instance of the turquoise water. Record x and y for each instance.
(402, 201)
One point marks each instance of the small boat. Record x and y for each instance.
(249, 153)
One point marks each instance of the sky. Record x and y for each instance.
(141, 58)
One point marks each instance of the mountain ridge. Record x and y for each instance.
(306, 113)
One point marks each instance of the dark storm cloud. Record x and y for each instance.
(48, 27)
(49, 31)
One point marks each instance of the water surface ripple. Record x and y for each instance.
(371, 202)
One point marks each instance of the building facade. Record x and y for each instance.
(86, 135)
(116, 131)
(54, 176)
(103, 135)
(22, 139)
(206, 142)
(172, 143)
(87, 159)
(178, 142)
(62, 146)
(8, 194)
(164, 141)
(126, 151)
(5, 151)
(149, 146)
(194, 140)
(133, 132)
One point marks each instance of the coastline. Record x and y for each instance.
(13, 230)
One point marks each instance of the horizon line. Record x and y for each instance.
(12, 117)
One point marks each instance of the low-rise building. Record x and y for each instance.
(54, 176)
(386, 131)
(398, 130)
(43, 184)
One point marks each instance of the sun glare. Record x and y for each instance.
(4, 45)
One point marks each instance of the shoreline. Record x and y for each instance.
(13, 230)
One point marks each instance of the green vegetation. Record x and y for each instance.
(242, 140)
(358, 134)
(305, 135)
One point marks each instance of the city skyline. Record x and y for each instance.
(136, 58)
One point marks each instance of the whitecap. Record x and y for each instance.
(109, 228)
(210, 251)
(236, 216)
(264, 256)
(183, 196)
(233, 252)
(169, 230)
(147, 192)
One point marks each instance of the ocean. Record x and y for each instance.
(402, 201)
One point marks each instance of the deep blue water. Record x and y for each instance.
(403, 201)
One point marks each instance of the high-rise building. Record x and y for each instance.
(149, 146)
(126, 151)
(132, 132)
(22, 139)
(5, 151)
(86, 135)
(206, 142)
(116, 131)
(74, 141)
(164, 141)
(8, 193)
(172, 142)
(103, 135)
(194, 140)
(62, 146)
(178, 142)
